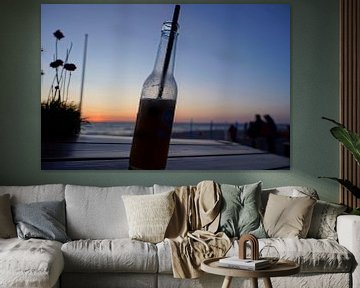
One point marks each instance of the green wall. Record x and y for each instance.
(314, 91)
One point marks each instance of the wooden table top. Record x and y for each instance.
(281, 268)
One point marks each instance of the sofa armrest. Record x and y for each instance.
(348, 230)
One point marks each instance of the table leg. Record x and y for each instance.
(227, 282)
(267, 283)
(254, 282)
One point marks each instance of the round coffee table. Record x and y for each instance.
(281, 268)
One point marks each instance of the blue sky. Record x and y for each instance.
(232, 61)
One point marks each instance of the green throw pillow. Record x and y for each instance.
(240, 212)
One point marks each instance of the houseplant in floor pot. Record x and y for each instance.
(351, 142)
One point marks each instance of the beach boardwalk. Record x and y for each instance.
(112, 152)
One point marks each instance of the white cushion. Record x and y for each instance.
(36, 193)
(164, 257)
(313, 255)
(98, 213)
(117, 255)
(30, 263)
(163, 188)
(348, 229)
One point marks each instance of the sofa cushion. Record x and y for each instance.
(149, 215)
(43, 220)
(98, 213)
(7, 226)
(164, 257)
(35, 193)
(30, 263)
(163, 188)
(116, 255)
(313, 255)
(323, 222)
(291, 191)
(287, 216)
(240, 210)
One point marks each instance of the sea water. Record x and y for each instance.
(127, 128)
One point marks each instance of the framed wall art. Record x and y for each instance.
(165, 87)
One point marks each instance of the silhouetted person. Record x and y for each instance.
(270, 132)
(255, 129)
(232, 132)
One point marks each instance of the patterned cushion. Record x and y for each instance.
(323, 223)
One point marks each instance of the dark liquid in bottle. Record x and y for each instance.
(152, 133)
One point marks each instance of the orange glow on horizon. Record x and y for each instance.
(108, 118)
(112, 114)
(184, 112)
(182, 117)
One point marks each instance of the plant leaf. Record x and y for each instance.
(333, 121)
(347, 184)
(355, 211)
(348, 138)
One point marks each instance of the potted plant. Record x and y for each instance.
(351, 141)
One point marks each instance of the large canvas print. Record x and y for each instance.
(165, 87)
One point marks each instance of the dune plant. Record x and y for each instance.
(60, 118)
(351, 142)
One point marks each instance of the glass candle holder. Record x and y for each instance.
(270, 253)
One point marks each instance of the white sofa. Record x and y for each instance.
(101, 254)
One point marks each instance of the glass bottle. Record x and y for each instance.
(150, 145)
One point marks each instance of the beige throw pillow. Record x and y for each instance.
(7, 226)
(149, 215)
(288, 217)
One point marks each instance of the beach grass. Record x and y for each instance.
(59, 120)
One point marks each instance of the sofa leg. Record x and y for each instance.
(254, 282)
(267, 282)
(227, 282)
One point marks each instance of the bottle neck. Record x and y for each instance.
(162, 50)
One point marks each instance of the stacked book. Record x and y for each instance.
(248, 264)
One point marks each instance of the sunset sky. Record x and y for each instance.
(232, 61)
